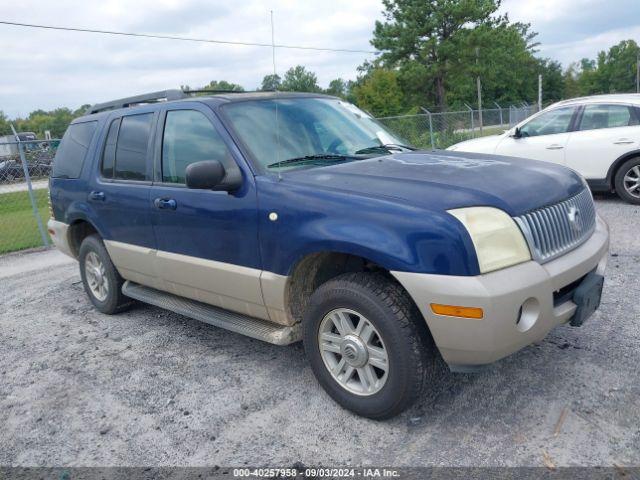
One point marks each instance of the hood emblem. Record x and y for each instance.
(574, 218)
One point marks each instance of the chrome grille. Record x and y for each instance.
(556, 229)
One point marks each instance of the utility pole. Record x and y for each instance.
(539, 92)
(479, 85)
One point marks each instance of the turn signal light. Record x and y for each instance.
(457, 311)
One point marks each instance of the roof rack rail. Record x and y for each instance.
(153, 97)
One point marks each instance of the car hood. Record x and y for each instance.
(481, 145)
(442, 180)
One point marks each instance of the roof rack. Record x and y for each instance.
(153, 97)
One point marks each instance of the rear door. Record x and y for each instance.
(604, 133)
(544, 137)
(207, 240)
(120, 195)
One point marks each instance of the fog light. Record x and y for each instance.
(528, 314)
(457, 311)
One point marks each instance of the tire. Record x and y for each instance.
(399, 329)
(629, 169)
(110, 299)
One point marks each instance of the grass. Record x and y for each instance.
(18, 226)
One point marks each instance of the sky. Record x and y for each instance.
(48, 69)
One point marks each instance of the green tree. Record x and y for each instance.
(553, 80)
(223, 85)
(431, 34)
(502, 56)
(5, 129)
(271, 82)
(380, 93)
(571, 89)
(337, 88)
(299, 79)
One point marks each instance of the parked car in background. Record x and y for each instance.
(290, 217)
(599, 137)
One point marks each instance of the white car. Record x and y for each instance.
(599, 137)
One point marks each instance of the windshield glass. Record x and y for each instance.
(318, 130)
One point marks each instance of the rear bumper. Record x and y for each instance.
(59, 233)
(518, 303)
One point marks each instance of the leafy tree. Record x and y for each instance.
(271, 82)
(502, 56)
(223, 85)
(299, 79)
(380, 94)
(431, 34)
(338, 88)
(553, 81)
(571, 89)
(5, 129)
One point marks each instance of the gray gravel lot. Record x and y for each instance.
(149, 387)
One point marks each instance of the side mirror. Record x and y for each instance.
(517, 133)
(211, 175)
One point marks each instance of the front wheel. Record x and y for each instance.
(627, 181)
(367, 344)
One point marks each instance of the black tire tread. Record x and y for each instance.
(116, 302)
(618, 179)
(407, 318)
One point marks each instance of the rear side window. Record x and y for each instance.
(607, 116)
(131, 147)
(73, 150)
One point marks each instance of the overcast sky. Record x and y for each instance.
(46, 69)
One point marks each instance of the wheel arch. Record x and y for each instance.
(615, 166)
(79, 229)
(317, 268)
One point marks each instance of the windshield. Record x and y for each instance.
(315, 130)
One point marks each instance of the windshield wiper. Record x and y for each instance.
(387, 147)
(311, 159)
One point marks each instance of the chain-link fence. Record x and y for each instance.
(441, 130)
(25, 167)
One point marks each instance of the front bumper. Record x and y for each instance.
(518, 303)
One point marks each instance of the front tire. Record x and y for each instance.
(367, 344)
(101, 280)
(627, 181)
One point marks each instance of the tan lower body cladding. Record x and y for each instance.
(241, 289)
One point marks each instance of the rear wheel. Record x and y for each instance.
(627, 181)
(101, 280)
(367, 344)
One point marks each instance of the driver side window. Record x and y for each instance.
(549, 123)
(190, 137)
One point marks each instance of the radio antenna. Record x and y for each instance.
(275, 76)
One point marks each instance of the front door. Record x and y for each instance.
(544, 137)
(207, 241)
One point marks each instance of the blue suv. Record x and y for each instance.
(289, 217)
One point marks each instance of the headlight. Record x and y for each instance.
(498, 241)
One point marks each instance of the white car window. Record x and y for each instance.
(549, 123)
(607, 116)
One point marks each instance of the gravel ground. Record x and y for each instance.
(149, 387)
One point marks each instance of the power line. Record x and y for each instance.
(183, 39)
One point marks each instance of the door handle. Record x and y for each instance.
(97, 196)
(165, 203)
(624, 141)
(555, 146)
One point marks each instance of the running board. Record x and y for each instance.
(236, 322)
